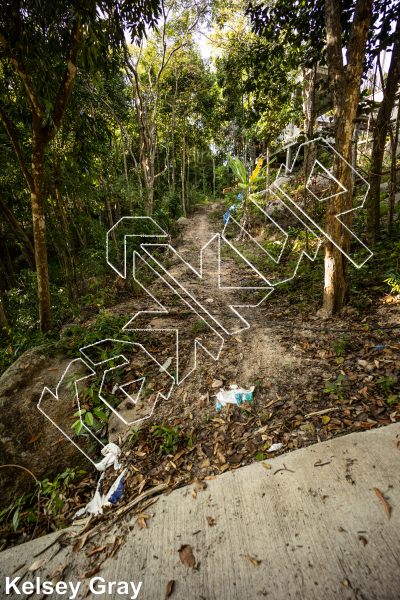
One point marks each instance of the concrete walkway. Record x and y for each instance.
(319, 531)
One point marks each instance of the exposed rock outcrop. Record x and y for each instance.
(21, 422)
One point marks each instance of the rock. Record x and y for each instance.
(216, 383)
(362, 363)
(183, 221)
(21, 387)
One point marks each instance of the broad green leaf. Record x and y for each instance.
(100, 415)
(89, 419)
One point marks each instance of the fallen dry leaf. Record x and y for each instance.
(210, 521)
(325, 419)
(90, 573)
(169, 589)
(118, 543)
(200, 484)
(362, 538)
(388, 508)
(211, 477)
(95, 550)
(325, 496)
(34, 439)
(186, 555)
(266, 465)
(194, 493)
(58, 573)
(252, 560)
(397, 443)
(18, 568)
(79, 543)
(37, 564)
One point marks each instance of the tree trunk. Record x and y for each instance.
(213, 177)
(195, 178)
(204, 177)
(354, 156)
(110, 219)
(393, 174)
(39, 228)
(268, 144)
(188, 180)
(378, 148)
(183, 169)
(345, 85)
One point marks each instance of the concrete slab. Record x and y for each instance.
(307, 525)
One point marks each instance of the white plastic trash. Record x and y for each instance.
(110, 452)
(235, 395)
(95, 506)
(166, 365)
(275, 447)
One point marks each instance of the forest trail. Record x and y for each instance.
(251, 357)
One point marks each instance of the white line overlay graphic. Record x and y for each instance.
(180, 290)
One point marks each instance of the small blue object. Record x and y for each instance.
(239, 399)
(117, 495)
(379, 346)
(240, 197)
(219, 405)
(249, 397)
(226, 215)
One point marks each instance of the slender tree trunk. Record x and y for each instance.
(204, 177)
(173, 148)
(188, 180)
(393, 173)
(378, 148)
(39, 224)
(110, 218)
(268, 144)
(213, 177)
(11, 275)
(345, 85)
(183, 168)
(354, 156)
(195, 178)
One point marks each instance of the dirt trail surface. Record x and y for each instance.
(314, 524)
(245, 356)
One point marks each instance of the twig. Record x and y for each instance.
(62, 535)
(284, 469)
(320, 412)
(40, 489)
(321, 464)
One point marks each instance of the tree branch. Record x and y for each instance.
(17, 148)
(21, 72)
(69, 78)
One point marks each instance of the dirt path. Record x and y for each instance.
(253, 356)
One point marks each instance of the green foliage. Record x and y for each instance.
(168, 438)
(394, 284)
(386, 383)
(22, 509)
(338, 387)
(339, 345)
